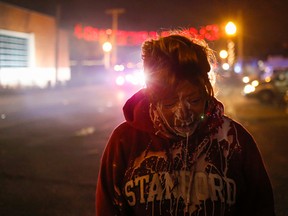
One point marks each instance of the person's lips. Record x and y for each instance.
(186, 127)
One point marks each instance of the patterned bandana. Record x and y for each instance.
(207, 121)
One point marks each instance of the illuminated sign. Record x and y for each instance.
(134, 38)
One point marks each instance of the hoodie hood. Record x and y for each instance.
(136, 113)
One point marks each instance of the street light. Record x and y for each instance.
(223, 54)
(107, 47)
(115, 12)
(230, 30)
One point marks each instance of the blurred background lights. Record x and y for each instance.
(255, 83)
(225, 66)
(3, 116)
(223, 54)
(230, 28)
(248, 89)
(245, 79)
(120, 80)
(119, 67)
(107, 46)
(237, 68)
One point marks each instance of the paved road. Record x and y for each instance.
(51, 143)
(269, 126)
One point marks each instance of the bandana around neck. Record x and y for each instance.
(208, 121)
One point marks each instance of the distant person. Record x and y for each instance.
(177, 153)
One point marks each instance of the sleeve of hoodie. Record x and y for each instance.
(259, 195)
(109, 199)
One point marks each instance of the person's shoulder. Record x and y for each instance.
(241, 130)
(119, 135)
(122, 130)
(122, 127)
(236, 124)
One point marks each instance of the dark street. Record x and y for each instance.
(67, 67)
(51, 142)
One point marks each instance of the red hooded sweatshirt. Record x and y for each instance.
(218, 170)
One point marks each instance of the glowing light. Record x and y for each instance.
(237, 68)
(3, 116)
(140, 77)
(230, 28)
(268, 79)
(89, 33)
(261, 64)
(120, 80)
(248, 89)
(255, 83)
(119, 67)
(225, 66)
(231, 52)
(37, 77)
(107, 46)
(223, 54)
(130, 78)
(136, 78)
(245, 79)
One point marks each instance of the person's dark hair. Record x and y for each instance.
(172, 59)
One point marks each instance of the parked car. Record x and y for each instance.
(273, 88)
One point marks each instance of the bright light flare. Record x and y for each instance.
(136, 78)
(107, 46)
(119, 68)
(230, 28)
(37, 77)
(141, 78)
(245, 79)
(268, 79)
(237, 68)
(249, 89)
(225, 66)
(223, 54)
(131, 79)
(255, 83)
(120, 80)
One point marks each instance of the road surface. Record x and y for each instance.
(51, 143)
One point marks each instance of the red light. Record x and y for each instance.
(78, 31)
(134, 38)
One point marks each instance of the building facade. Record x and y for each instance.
(33, 50)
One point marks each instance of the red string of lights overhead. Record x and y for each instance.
(136, 38)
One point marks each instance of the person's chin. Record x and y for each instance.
(186, 131)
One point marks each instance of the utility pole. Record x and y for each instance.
(57, 31)
(240, 39)
(115, 12)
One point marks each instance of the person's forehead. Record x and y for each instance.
(186, 86)
(183, 90)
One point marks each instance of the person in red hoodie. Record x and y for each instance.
(177, 153)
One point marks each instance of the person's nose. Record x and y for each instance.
(185, 109)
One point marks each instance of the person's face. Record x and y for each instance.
(181, 110)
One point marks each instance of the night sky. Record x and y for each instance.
(264, 21)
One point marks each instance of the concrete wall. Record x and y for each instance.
(26, 21)
(43, 28)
